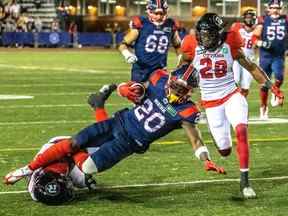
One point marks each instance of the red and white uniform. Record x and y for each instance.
(223, 103)
(63, 167)
(241, 75)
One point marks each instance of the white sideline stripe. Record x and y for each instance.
(81, 70)
(15, 97)
(170, 184)
(163, 143)
(252, 121)
(57, 105)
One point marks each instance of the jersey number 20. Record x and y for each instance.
(153, 121)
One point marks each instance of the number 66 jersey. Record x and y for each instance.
(216, 78)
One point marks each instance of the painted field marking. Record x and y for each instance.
(252, 121)
(15, 97)
(164, 184)
(168, 142)
(66, 69)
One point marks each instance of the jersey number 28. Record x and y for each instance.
(210, 71)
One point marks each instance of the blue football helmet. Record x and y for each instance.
(275, 3)
(157, 11)
(274, 8)
(181, 83)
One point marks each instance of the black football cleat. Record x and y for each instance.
(97, 100)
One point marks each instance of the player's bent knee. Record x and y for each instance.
(225, 152)
(89, 167)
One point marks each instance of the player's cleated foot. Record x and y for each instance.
(274, 101)
(263, 113)
(90, 182)
(248, 193)
(97, 100)
(16, 175)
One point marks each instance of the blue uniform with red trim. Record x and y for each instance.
(275, 31)
(151, 46)
(133, 130)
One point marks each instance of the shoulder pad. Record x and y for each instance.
(157, 75)
(260, 20)
(136, 22)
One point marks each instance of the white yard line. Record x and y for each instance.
(66, 69)
(164, 184)
(252, 121)
(15, 97)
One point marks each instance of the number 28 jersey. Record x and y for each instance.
(155, 117)
(216, 78)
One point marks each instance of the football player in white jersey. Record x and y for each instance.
(242, 77)
(224, 105)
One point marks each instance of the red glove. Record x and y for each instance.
(132, 91)
(211, 166)
(278, 93)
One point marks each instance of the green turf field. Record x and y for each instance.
(167, 180)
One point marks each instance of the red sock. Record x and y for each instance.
(100, 114)
(263, 97)
(278, 83)
(242, 146)
(79, 158)
(55, 152)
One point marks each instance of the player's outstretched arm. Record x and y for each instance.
(201, 151)
(128, 40)
(259, 75)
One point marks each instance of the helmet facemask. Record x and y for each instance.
(157, 11)
(249, 18)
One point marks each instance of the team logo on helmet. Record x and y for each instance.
(210, 31)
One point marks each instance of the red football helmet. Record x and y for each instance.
(157, 11)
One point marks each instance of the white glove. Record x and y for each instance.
(130, 57)
(264, 44)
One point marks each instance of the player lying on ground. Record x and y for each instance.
(212, 53)
(54, 184)
(163, 106)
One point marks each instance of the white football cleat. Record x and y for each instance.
(16, 175)
(274, 100)
(264, 113)
(248, 193)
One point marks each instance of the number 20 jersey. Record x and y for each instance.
(155, 117)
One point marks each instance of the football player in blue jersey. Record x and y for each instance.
(162, 106)
(151, 37)
(270, 35)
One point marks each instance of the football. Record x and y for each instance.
(139, 89)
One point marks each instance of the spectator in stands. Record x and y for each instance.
(55, 27)
(73, 32)
(38, 24)
(13, 9)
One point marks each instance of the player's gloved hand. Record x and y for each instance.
(130, 57)
(132, 91)
(278, 94)
(264, 44)
(211, 166)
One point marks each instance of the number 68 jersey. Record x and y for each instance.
(216, 78)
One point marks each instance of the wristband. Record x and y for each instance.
(200, 150)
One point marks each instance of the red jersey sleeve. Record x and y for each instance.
(188, 46)
(235, 41)
(236, 26)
